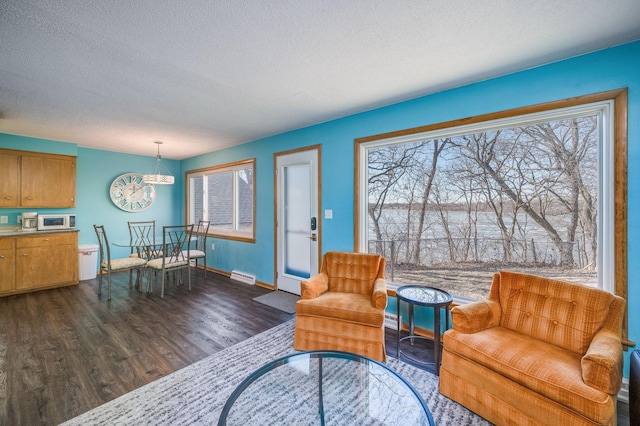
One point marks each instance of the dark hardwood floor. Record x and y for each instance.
(66, 351)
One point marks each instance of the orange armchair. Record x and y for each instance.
(537, 351)
(342, 308)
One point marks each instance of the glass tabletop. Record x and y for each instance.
(130, 243)
(325, 388)
(153, 243)
(422, 295)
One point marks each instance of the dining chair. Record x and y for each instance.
(200, 251)
(109, 265)
(176, 250)
(142, 235)
(142, 239)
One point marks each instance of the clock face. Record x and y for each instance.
(129, 193)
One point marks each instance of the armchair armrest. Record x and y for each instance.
(379, 294)
(314, 286)
(602, 364)
(476, 316)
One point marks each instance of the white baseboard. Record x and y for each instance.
(623, 395)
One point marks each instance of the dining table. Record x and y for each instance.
(148, 249)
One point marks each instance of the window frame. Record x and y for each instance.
(619, 174)
(233, 167)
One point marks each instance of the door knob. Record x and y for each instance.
(314, 237)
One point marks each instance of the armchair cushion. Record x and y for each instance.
(564, 315)
(348, 307)
(349, 273)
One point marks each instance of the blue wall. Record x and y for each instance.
(96, 171)
(600, 71)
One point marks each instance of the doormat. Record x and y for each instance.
(281, 300)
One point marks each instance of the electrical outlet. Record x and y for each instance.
(213, 246)
(4, 219)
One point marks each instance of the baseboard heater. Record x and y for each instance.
(243, 277)
(391, 320)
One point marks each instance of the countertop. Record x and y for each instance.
(16, 231)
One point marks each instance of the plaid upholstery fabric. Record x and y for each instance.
(342, 308)
(561, 313)
(352, 272)
(349, 307)
(538, 351)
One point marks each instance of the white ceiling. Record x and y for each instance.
(202, 75)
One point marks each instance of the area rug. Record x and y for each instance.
(196, 394)
(286, 302)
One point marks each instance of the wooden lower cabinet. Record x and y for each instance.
(7, 265)
(40, 261)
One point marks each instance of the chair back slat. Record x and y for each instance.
(142, 236)
(103, 243)
(175, 243)
(202, 231)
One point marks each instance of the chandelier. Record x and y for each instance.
(157, 177)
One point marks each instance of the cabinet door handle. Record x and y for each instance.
(25, 254)
(29, 198)
(1, 257)
(8, 197)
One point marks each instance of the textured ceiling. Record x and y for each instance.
(203, 75)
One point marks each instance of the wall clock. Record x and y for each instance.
(131, 194)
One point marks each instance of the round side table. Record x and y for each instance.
(423, 296)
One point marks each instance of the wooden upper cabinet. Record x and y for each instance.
(48, 181)
(9, 180)
(29, 179)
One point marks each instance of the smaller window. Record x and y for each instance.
(225, 196)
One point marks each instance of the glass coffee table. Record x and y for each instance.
(423, 296)
(325, 388)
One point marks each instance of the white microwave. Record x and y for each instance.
(48, 222)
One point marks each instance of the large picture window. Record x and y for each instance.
(538, 190)
(225, 196)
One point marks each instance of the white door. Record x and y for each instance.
(297, 221)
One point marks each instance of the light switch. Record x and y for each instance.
(4, 219)
(328, 214)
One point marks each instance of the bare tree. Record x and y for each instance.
(428, 174)
(538, 168)
(570, 143)
(387, 166)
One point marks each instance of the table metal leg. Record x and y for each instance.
(436, 340)
(399, 326)
(411, 324)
